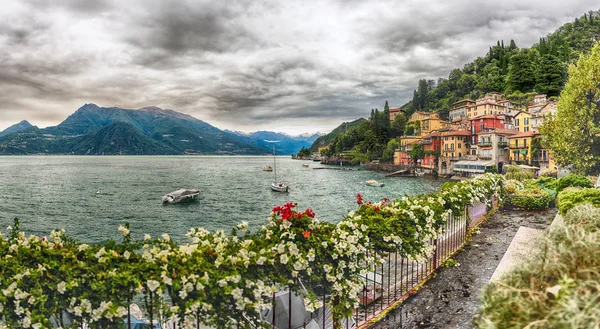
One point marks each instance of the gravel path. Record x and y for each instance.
(451, 299)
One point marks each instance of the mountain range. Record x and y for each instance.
(96, 130)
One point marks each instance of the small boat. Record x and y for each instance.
(268, 168)
(373, 182)
(279, 187)
(181, 196)
(305, 165)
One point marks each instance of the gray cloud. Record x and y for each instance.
(245, 65)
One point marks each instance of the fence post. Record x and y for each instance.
(435, 254)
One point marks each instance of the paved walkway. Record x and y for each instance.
(451, 300)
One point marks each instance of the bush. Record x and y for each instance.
(492, 170)
(529, 199)
(518, 173)
(558, 289)
(571, 197)
(512, 186)
(573, 180)
(585, 215)
(548, 173)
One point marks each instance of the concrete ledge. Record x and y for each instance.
(522, 248)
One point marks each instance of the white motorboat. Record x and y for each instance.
(279, 187)
(268, 168)
(305, 165)
(373, 182)
(181, 196)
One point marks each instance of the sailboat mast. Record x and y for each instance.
(274, 163)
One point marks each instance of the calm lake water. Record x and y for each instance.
(48, 192)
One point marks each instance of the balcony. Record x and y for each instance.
(541, 159)
(469, 157)
(484, 157)
(426, 141)
(484, 144)
(503, 144)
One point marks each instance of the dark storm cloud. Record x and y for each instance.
(248, 65)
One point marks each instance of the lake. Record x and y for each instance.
(48, 192)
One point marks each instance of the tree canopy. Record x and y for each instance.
(574, 133)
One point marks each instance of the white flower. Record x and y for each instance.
(82, 247)
(260, 260)
(147, 237)
(152, 285)
(123, 230)
(183, 294)
(166, 237)
(62, 287)
(284, 259)
(222, 283)
(126, 254)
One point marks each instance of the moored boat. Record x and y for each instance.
(373, 182)
(268, 168)
(181, 195)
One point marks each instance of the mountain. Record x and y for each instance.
(325, 139)
(284, 144)
(150, 130)
(119, 138)
(16, 128)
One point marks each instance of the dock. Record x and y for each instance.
(333, 168)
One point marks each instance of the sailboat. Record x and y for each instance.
(275, 185)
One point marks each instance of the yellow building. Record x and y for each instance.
(432, 123)
(395, 112)
(520, 146)
(521, 122)
(490, 104)
(420, 115)
(454, 143)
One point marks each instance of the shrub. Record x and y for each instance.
(559, 289)
(569, 198)
(513, 186)
(548, 173)
(573, 180)
(585, 215)
(492, 170)
(518, 173)
(530, 199)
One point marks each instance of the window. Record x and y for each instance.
(481, 127)
(516, 122)
(459, 145)
(524, 142)
(526, 128)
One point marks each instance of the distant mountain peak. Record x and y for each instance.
(24, 124)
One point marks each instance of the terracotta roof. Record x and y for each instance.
(530, 133)
(456, 133)
(487, 116)
(464, 100)
(434, 133)
(398, 109)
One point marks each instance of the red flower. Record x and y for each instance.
(306, 234)
(376, 208)
(299, 215)
(385, 200)
(209, 251)
(309, 213)
(359, 199)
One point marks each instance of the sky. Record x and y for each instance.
(284, 65)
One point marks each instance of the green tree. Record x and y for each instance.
(520, 72)
(574, 133)
(398, 125)
(550, 75)
(417, 152)
(388, 153)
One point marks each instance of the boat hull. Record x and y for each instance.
(279, 187)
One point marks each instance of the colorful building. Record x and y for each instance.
(493, 145)
(489, 104)
(395, 112)
(432, 123)
(432, 145)
(483, 123)
(521, 121)
(402, 154)
(520, 146)
(459, 110)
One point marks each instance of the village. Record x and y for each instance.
(480, 136)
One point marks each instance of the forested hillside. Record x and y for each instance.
(517, 72)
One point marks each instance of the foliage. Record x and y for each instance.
(304, 152)
(574, 133)
(417, 152)
(518, 173)
(388, 153)
(548, 173)
(585, 215)
(326, 139)
(221, 280)
(557, 289)
(573, 180)
(569, 198)
(492, 170)
(529, 199)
